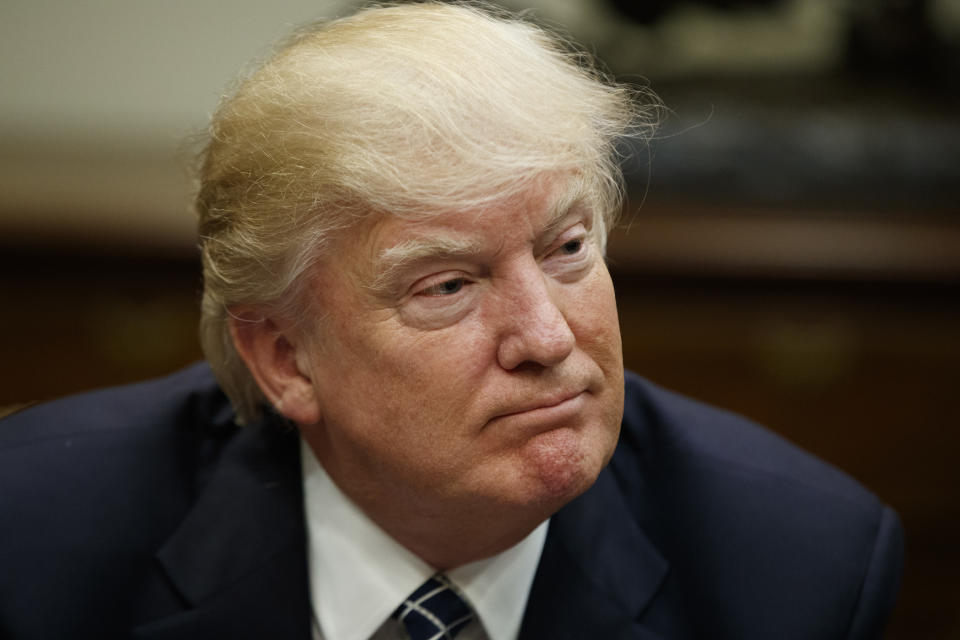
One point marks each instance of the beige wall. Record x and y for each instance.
(97, 99)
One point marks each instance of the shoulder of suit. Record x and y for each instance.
(765, 539)
(187, 399)
(117, 466)
(667, 433)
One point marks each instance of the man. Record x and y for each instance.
(402, 219)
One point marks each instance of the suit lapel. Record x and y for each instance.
(238, 561)
(598, 572)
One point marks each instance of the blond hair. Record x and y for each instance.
(406, 110)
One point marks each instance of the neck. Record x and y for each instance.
(449, 536)
(445, 546)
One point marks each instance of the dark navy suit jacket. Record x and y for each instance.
(145, 512)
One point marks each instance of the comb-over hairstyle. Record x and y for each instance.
(408, 110)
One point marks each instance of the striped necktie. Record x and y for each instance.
(435, 611)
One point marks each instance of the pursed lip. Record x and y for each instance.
(544, 402)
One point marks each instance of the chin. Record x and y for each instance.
(564, 463)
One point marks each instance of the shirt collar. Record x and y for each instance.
(359, 574)
(497, 587)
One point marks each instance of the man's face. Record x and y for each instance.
(469, 363)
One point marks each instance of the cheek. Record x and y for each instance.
(417, 381)
(594, 318)
(441, 375)
(599, 337)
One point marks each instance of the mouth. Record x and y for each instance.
(543, 414)
(552, 403)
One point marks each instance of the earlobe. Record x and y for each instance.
(273, 357)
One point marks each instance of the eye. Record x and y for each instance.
(445, 288)
(571, 255)
(440, 300)
(571, 247)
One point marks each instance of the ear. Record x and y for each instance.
(278, 362)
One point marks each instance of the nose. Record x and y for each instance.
(535, 329)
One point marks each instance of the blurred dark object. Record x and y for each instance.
(649, 12)
(802, 142)
(872, 127)
(895, 38)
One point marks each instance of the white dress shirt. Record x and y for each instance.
(359, 575)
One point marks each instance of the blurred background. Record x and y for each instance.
(790, 247)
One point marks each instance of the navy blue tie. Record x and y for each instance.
(434, 611)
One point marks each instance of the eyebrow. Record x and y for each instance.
(391, 262)
(571, 200)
